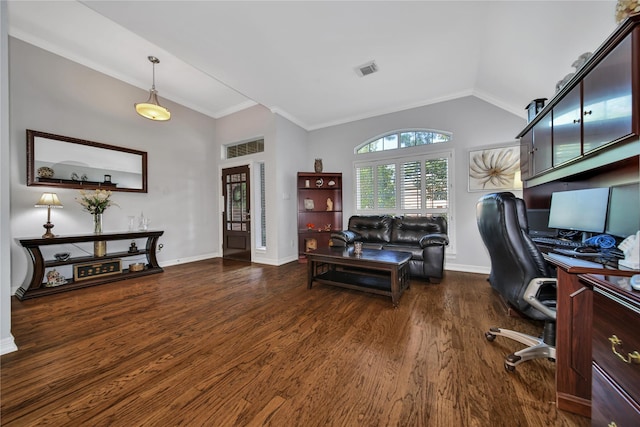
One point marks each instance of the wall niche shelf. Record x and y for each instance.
(36, 286)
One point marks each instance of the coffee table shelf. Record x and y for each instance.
(376, 271)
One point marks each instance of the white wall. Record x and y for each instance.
(51, 94)
(7, 343)
(473, 122)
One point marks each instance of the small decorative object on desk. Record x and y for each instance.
(62, 256)
(133, 248)
(329, 204)
(626, 8)
(331, 183)
(319, 182)
(45, 172)
(327, 227)
(55, 279)
(138, 266)
(308, 204)
(357, 248)
(317, 165)
(143, 222)
(310, 226)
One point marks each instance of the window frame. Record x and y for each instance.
(400, 156)
(398, 133)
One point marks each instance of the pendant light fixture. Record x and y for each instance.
(151, 109)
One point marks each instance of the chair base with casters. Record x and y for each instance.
(537, 347)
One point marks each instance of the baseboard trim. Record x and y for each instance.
(8, 345)
(468, 268)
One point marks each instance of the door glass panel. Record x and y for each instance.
(607, 98)
(566, 128)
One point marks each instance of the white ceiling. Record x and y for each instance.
(298, 58)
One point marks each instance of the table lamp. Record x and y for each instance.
(48, 200)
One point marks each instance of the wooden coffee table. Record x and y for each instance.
(376, 271)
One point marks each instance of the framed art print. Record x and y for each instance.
(495, 168)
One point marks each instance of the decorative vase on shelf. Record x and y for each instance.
(100, 247)
(97, 223)
(317, 165)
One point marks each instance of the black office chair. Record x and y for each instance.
(519, 274)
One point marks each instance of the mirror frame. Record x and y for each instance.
(33, 180)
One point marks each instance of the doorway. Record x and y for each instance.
(236, 217)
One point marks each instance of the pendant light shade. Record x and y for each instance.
(151, 109)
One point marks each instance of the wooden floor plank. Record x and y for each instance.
(229, 343)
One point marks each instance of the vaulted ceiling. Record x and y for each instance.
(299, 58)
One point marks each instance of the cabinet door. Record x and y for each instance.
(607, 98)
(542, 145)
(526, 158)
(566, 128)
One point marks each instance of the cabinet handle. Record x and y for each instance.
(576, 120)
(587, 113)
(633, 357)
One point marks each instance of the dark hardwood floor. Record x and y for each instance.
(216, 343)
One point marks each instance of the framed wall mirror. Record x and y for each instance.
(61, 161)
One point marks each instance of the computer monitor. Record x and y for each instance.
(579, 210)
(538, 220)
(623, 218)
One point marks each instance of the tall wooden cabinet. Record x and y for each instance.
(319, 209)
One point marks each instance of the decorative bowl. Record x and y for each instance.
(45, 172)
(138, 266)
(62, 256)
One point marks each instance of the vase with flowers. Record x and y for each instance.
(96, 203)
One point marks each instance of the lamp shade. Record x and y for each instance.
(49, 200)
(152, 109)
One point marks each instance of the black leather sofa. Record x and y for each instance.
(424, 237)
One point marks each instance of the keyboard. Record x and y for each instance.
(572, 252)
(551, 241)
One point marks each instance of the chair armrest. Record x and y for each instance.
(434, 239)
(346, 236)
(531, 295)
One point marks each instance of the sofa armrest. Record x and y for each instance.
(344, 237)
(434, 239)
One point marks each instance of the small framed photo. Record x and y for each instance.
(107, 178)
(495, 168)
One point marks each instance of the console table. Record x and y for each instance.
(36, 286)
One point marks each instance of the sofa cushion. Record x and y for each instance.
(415, 251)
(372, 228)
(410, 230)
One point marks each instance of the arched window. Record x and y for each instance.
(404, 139)
(413, 179)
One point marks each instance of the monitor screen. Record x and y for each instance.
(623, 218)
(538, 220)
(579, 210)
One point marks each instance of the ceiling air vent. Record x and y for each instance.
(366, 69)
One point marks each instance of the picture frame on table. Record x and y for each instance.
(495, 168)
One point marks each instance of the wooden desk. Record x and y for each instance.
(573, 331)
(615, 361)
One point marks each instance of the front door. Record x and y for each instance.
(236, 218)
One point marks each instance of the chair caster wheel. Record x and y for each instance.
(489, 336)
(509, 368)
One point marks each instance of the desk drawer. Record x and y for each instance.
(610, 405)
(618, 359)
